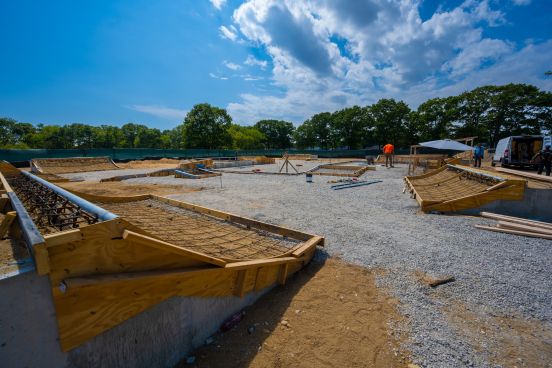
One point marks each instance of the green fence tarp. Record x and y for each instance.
(126, 154)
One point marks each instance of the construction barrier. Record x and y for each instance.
(126, 154)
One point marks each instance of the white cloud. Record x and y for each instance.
(227, 33)
(386, 50)
(159, 111)
(218, 3)
(252, 61)
(214, 76)
(230, 65)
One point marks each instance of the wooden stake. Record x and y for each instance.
(6, 223)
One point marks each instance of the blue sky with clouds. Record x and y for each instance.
(112, 62)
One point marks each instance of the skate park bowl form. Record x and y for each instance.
(118, 266)
(455, 187)
(71, 165)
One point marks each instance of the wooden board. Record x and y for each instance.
(525, 174)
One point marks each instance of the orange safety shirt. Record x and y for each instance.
(388, 149)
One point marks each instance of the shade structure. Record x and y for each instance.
(447, 144)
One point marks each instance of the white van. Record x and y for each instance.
(518, 150)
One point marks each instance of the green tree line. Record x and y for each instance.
(489, 112)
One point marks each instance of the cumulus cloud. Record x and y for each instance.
(228, 33)
(329, 54)
(218, 3)
(159, 111)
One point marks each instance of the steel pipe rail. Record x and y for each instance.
(102, 215)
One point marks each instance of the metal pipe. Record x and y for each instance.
(358, 184)
(187, 174)
(30, 232)
(498, 178)
(89, 207)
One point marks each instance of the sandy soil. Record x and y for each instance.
(164, 163)
(122, 189)
(328, 315)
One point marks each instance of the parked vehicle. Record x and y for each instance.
(518, 150)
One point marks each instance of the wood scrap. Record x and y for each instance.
(531, 229)
(515, 232)
(436, 282)
(518, 226)
(516, 220)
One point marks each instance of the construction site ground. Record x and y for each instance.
(497, 312)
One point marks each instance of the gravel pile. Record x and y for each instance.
(379, 226)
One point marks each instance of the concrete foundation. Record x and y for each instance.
(536, 205)
(158, 337)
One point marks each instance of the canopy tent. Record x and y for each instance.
(447, 144)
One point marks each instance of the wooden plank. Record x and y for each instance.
(533, 229)
(5, 185)
(282, 275)
(302, 249)
(62, 238)
(240, 283)
(159, 244)
(41, 258)
(518, 220)
(94, 280)
(514, 232)
(4, 200)
(259, 263)
(525, 174)
(6, 223)
(86, 312)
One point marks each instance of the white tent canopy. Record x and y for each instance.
(447, 144)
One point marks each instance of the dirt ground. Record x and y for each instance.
(121, 189)
(164, 163)
(327, 315)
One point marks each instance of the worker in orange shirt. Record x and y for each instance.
(388, 151)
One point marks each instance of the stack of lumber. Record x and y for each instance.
(518, 226)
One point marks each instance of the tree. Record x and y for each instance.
(278, 133)
(318, 131)
(206, 126)
(434, 118)
(351, 126)
(390, 121)
(246, 138)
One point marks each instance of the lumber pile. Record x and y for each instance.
(518, 226)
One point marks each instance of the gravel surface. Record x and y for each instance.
(379, 226)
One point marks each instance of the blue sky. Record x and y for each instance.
(113, 62)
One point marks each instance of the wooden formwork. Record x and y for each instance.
(71, 165)
(455, 188)
(146, 249)
(342, 170)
